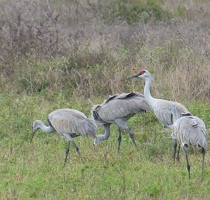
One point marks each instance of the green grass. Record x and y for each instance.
(36, 171)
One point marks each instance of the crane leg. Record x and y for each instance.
(131, 136)
(119, 139)
(186, 156)
(122, 124)
(175, 146)
(70, 139)
(67, 151)
(177, 157)
(77, 150)
(76, 147)
(203, 153)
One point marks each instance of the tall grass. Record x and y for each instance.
(49, 47)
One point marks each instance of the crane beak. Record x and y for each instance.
(94, 146)
(32, 136)
(134, 76)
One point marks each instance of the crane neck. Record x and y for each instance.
(101, 137)
(46, 129)
(147, 93)
(175, 115)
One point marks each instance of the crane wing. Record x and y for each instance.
(124, 105)
(73, 122)
(190, 130)
(163, 113)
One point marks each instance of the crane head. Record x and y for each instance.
(95, 142)
(98, 139)
(143, 73)
(35, 127)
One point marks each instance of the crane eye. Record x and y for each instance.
(142, 72)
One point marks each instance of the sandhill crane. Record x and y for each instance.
(159, 106)
(118, 109)
(69, 123)
(189, 130)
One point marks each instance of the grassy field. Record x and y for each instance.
(59, 54)
(36, 170)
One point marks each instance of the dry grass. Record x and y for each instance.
(50, 46)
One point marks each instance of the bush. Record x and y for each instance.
(130, 11)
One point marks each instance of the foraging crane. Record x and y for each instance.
(118, 109)
(69, 123)
(188, 130)
(159, 106)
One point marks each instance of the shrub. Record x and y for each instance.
(130, 11)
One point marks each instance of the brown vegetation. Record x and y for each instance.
(87, 48)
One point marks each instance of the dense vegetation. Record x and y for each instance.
(74, 54)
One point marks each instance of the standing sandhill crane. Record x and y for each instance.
(69, 123)
(188, 130)
(159, 106)
(118, 109)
